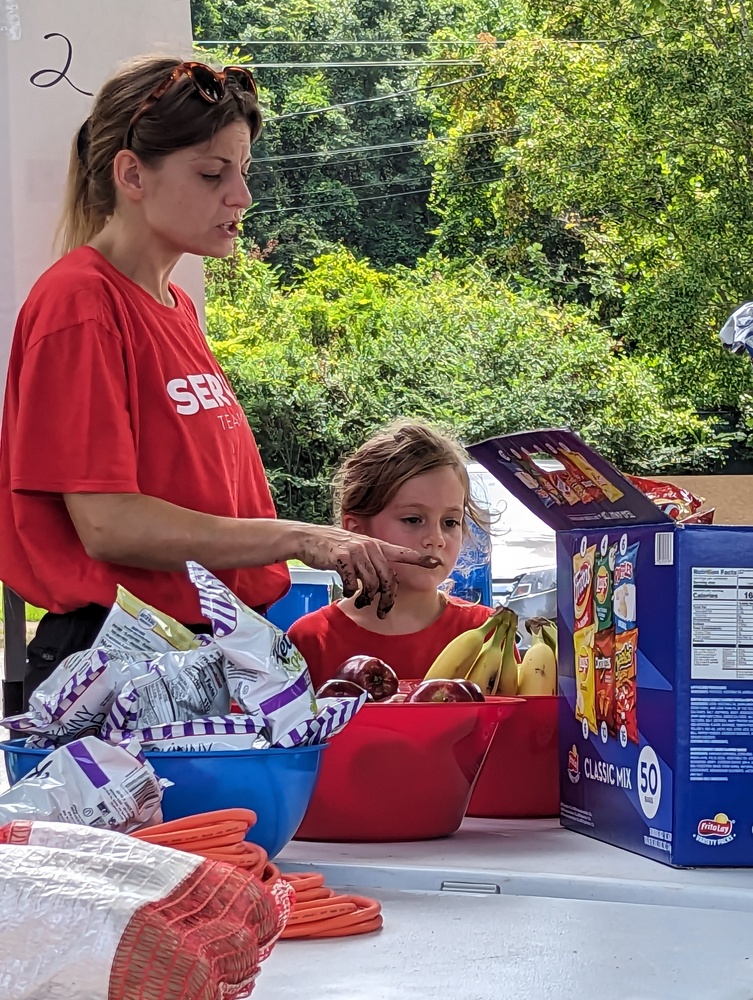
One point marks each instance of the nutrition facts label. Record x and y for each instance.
(722, 643)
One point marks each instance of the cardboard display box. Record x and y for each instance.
(655, 661)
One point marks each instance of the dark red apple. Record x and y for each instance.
(338, 688)
(371, 673)
(440, 691)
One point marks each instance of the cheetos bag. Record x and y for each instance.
(95, 915)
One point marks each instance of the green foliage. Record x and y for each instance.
(622, 176)
(362, 200)
(320, 364)
(592, 183)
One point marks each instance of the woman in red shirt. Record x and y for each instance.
(124, 452)
(408, 486)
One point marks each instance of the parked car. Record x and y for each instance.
(524, 573)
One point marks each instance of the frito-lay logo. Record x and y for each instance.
(716, 831)
(573, 765)
(602, 585)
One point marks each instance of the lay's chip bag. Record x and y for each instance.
(585, 679)
(603, 586)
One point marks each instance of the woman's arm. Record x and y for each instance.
(149, 533)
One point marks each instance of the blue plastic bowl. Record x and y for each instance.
(276, 784)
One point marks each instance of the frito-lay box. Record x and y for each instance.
(655, 636)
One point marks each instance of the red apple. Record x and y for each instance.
(371, 673)
(440, 691)
(338, 688)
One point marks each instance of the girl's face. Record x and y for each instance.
(192, 201)
(426, 514)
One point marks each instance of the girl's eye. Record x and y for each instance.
(451, 522)
(414, 519)
(211, 177)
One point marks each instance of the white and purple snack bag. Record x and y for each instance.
(332, 715)
(263, 668)
(227, 732)
(172, 687)
(141, 630)
(91, 783)
(75, 699)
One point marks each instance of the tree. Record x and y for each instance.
(363, 199)
(624, 169)
(320, 365)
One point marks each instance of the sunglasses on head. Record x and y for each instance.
(208, 83)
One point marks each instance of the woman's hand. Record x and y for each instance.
(360, 560)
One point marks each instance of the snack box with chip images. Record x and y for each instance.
(655, 663)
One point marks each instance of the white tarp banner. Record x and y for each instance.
(54, 55)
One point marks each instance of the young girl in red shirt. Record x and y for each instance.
(408, 485)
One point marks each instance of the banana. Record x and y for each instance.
(488, 664)
(537, 674)
(549, 632)
(508, 675)
(543, 630)
(460, 653)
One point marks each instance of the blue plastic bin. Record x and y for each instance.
(310, 590)
(276, 784)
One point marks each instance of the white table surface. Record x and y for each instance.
(555, 915)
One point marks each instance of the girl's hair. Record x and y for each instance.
(367, 481)
(180, 118)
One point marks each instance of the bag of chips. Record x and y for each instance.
(625, 590)
(583, 588)
(585, 680)
(625, 683)
(172, 687)
(604, 679)
(75, 699)
(675, 501)
(264, 670)
(91, 783)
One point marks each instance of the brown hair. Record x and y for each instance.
(180, 118)
(367, 481)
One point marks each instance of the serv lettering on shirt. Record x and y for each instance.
(205, 392)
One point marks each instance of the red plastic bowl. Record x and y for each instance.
(402, 771)
(520, 776)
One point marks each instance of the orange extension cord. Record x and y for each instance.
(318, 912)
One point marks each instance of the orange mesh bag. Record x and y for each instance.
(95, 915)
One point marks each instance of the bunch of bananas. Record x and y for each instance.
(486, 656)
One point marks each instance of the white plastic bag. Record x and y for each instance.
(94, 915)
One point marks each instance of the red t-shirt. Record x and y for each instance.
(328, 636)
(109, 391)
